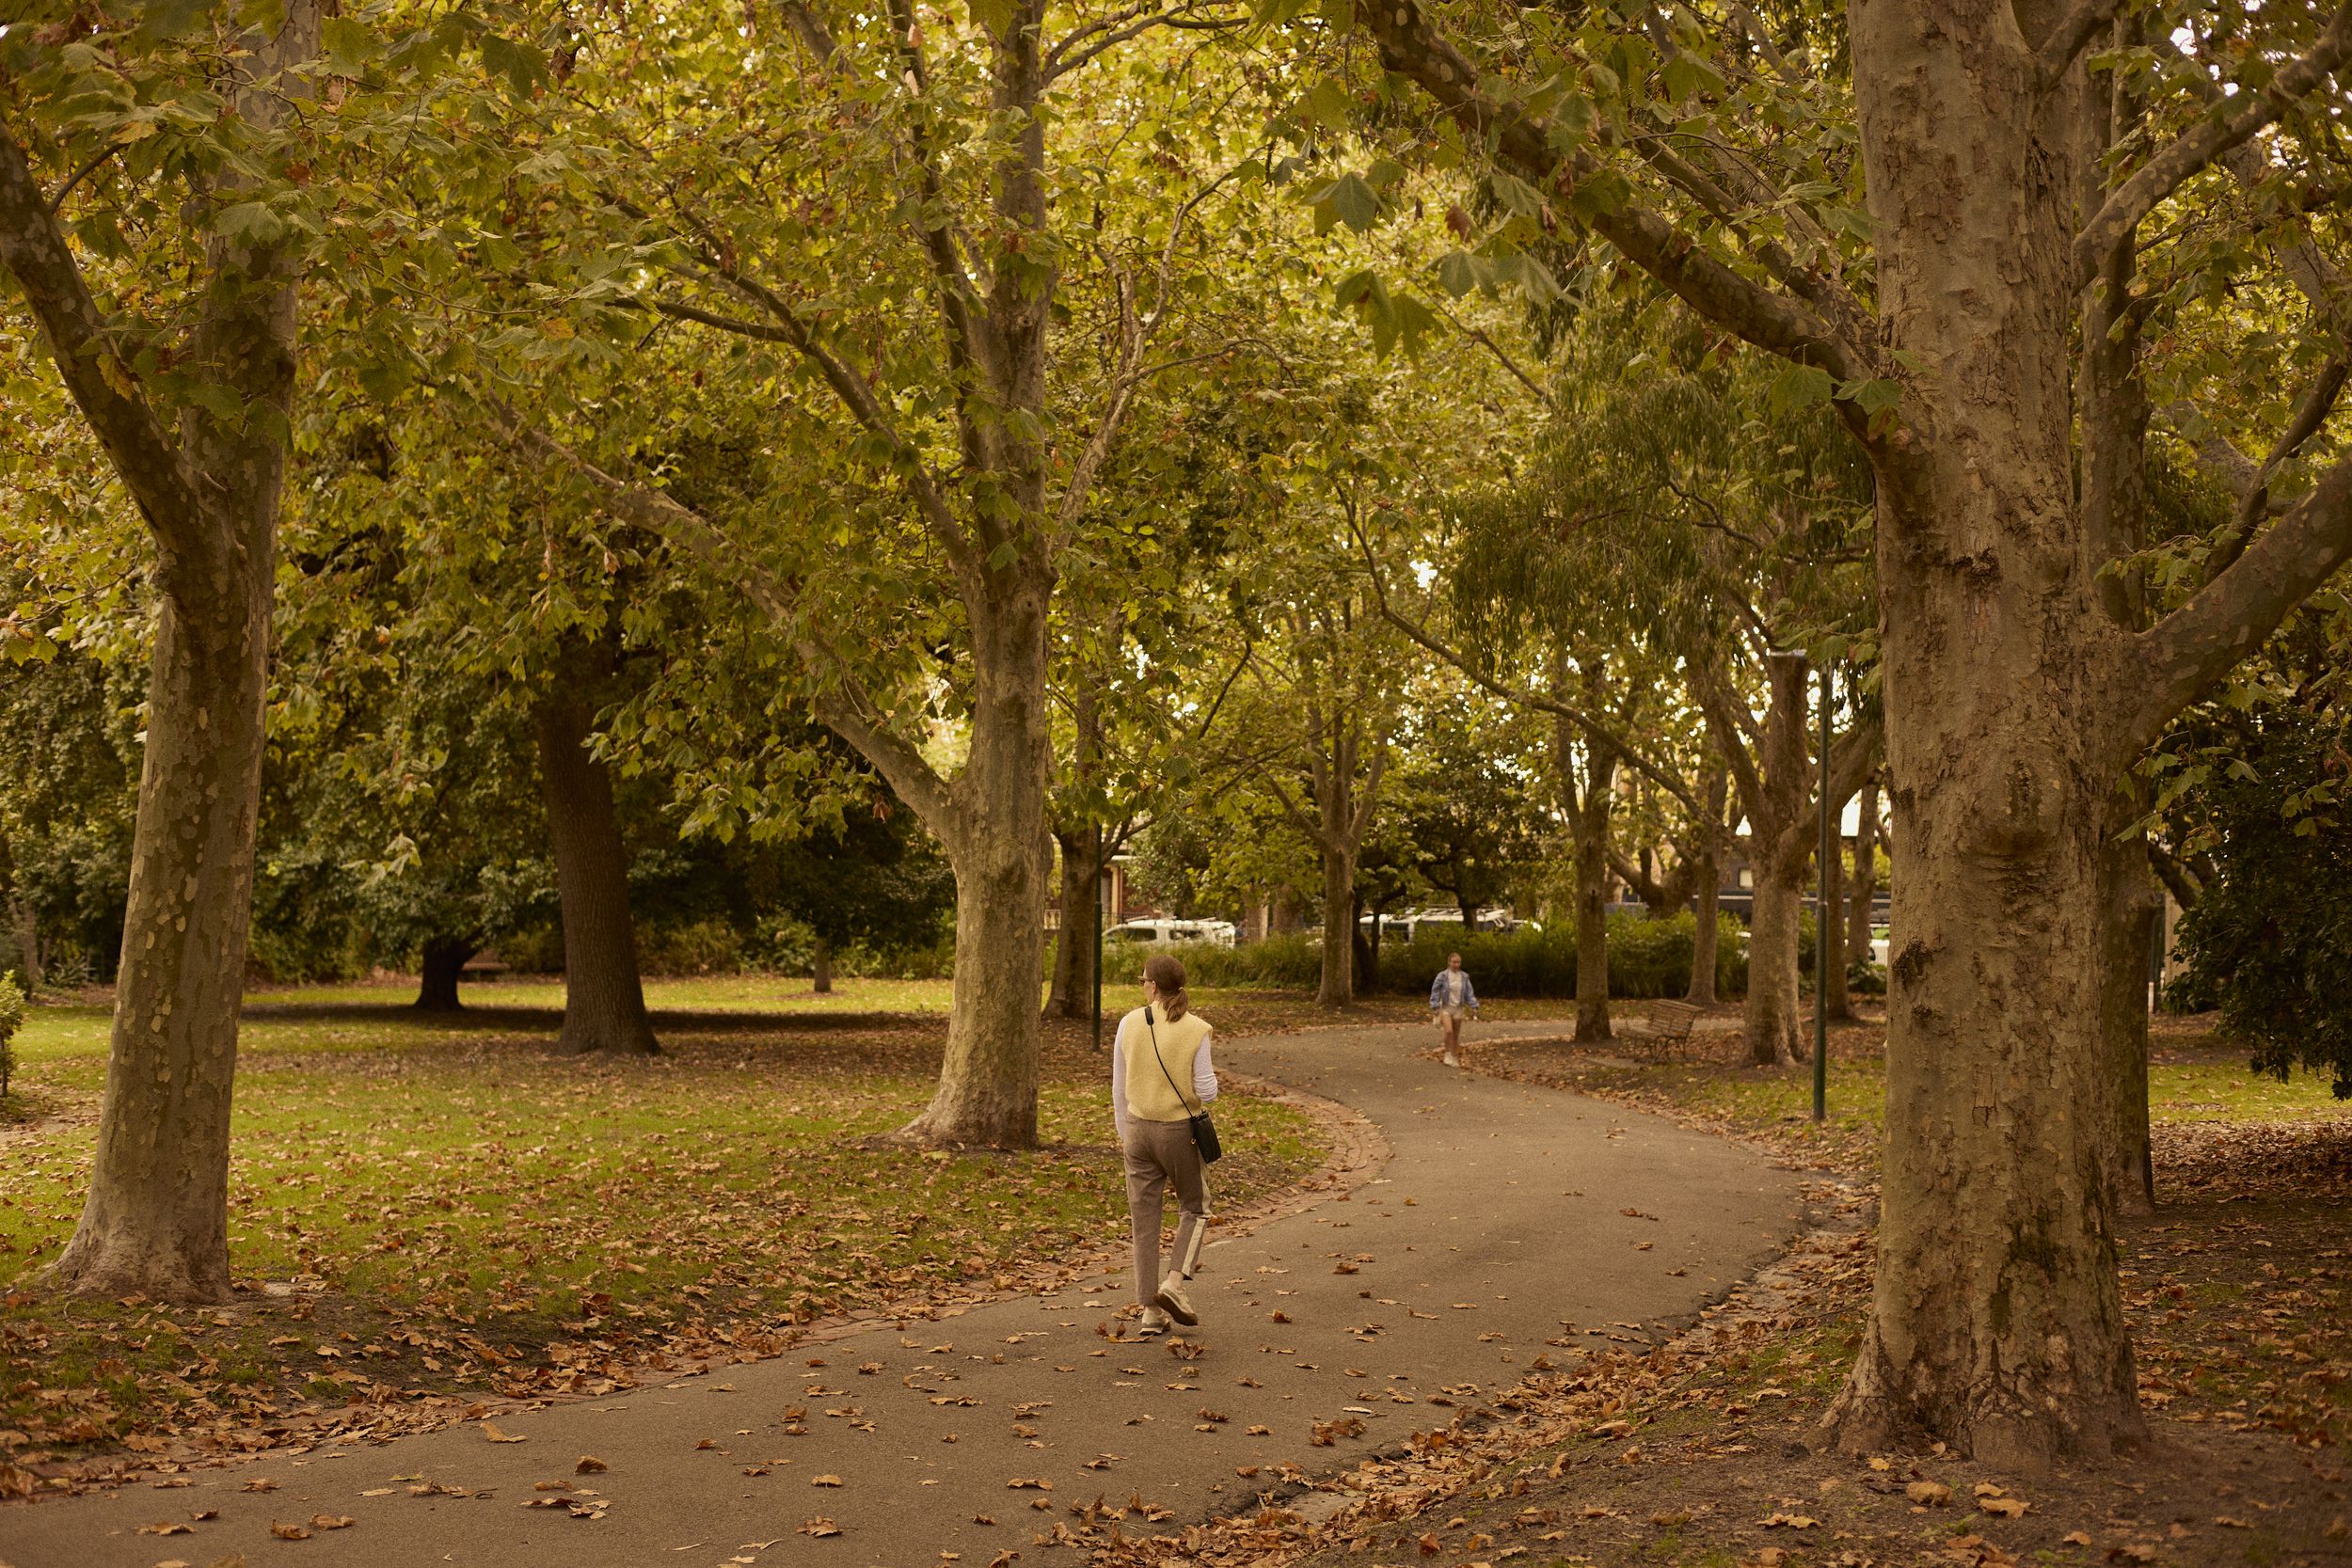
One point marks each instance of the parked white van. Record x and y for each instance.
(1151, 933)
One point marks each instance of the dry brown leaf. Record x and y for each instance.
(490, 1431)
(819, 1525)
(289, 1532)
(589, 1464)
(333, 1521)
(824, 1480)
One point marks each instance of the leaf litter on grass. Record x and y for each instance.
(462, 1219)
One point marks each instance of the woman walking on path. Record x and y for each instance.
(1160, 1075)
(1451, 999)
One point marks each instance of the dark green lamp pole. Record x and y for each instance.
(1822, 916)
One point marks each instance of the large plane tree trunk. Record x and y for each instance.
(1595, 799)
(443, 964)
(1998, 1320)
(988, 1078)
(604, 999)
(1775, 931)
(155, 1220)
(1336, 987)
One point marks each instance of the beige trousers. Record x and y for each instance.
(1161, 1154)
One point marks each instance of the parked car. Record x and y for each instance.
(1153, 933)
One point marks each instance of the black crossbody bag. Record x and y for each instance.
(1203, 1129)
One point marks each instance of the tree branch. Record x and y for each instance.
(844, 705)
(2067, 41)
(2233, 122)
(1411, 47)
(34, 250)
(2167, 666)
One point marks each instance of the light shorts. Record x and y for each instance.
(1458, 1015)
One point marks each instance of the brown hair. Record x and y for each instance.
(1167, 971)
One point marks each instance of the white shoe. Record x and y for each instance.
(1178, 1305)
(1452, 1060)
(1151, 1325)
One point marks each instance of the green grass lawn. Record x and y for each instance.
(432, 1206)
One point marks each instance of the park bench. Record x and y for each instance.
(1663, 1028)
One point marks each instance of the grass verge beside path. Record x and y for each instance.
(428, 1212)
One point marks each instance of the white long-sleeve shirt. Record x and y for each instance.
(1204, 1083)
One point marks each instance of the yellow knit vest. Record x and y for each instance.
(1150, 1097)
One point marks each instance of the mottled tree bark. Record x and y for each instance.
(821, 967)
(155, 1220)
(604, 999)
(988, 1080)
(1997, 1319)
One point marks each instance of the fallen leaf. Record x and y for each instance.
(589, 1464)
(824, 1480)
(490, 1431)
(819, 1525)
(258, 1483)
(169, 1527)
(1933, 1493)
(289, 1532)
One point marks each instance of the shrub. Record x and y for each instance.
(1289, 961)
(1646, 959)
(12, 1020)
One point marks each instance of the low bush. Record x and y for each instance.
(1646, 959)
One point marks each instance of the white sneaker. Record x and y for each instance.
(1151, 1325)
(1452, 1060)
(1178, 1305)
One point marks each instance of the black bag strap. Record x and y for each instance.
(1163, 1061)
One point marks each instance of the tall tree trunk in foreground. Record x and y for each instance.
(820, 968)
(444, 964)
(1706, 934)
(1998, 1318)
(155, 1220)
(604, 1000)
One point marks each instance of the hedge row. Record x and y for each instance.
(1646, 959)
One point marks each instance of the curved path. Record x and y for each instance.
(1498, 1216)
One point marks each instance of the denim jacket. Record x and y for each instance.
(1437, 991)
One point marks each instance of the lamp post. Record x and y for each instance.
(1098, 935)
(1822, 916)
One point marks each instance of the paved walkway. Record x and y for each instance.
(1502, 1213)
